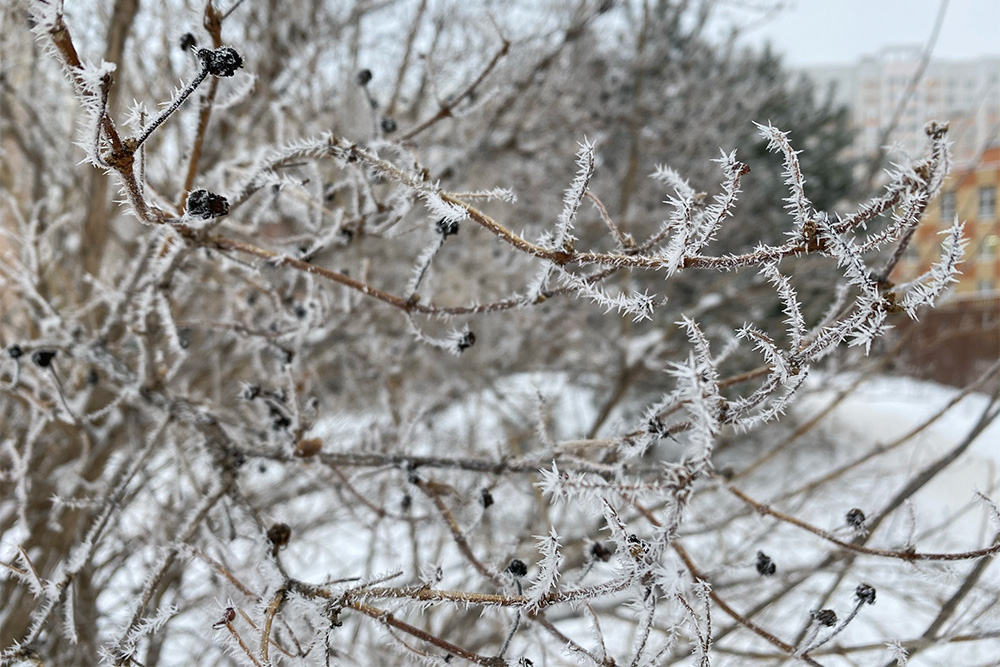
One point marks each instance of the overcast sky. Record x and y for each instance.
(814, 32)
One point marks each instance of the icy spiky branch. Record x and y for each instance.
(292, 410)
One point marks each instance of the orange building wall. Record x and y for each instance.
(980, 269)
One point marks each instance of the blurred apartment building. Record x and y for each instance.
(964, 93)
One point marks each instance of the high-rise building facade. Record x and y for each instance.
(964, 93)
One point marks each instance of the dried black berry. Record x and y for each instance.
(446, 227)
(517, 568)
(92, 377)
(388, 125)
(223, 61)
(363, 77)
(600, 552)
(278, 535)
(827, 617)
(228, 617)
(188, 42)
(15, 351)
(300, 312)
(856, 519)
(43, 358)
(204, 204)
(467, 340)
(865, 593)
(407, 502)
(485, 498)
(765, 566)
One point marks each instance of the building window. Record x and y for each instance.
(947, 206)
(987, 202)
(988, 246)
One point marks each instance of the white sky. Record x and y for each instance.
(819, 32)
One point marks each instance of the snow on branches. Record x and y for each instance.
(345, 317)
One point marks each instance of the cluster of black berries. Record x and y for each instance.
(446, 227)
(41, 358)
(865, 594)
(765, 566)
(517, 568)
(188, 42)
(856, 519)
(600, 552)
(467, 340)
(204, 204)
(278, 535)
(223, 61)
(826, 617)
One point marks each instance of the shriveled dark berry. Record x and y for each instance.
(865, 593)
(15, 351)
(517, 568)
(92, 377)
(600, 552)
(223, 61)
(204, 204)
(278, 535)
(485, 498)
(856, 519)
(188, 42)
(446, 227)
(765, 566)
(363, 77)
(228, 617)
(467, 340)
(388, 125)
(43, 358)
(406, 502)
(300, 311)
(827, 617)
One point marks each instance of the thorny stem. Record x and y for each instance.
(735, 615)
(265, 635)
(213, 24)
(242, 644)
(390, 620)
(859, 548)
(174, 105)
